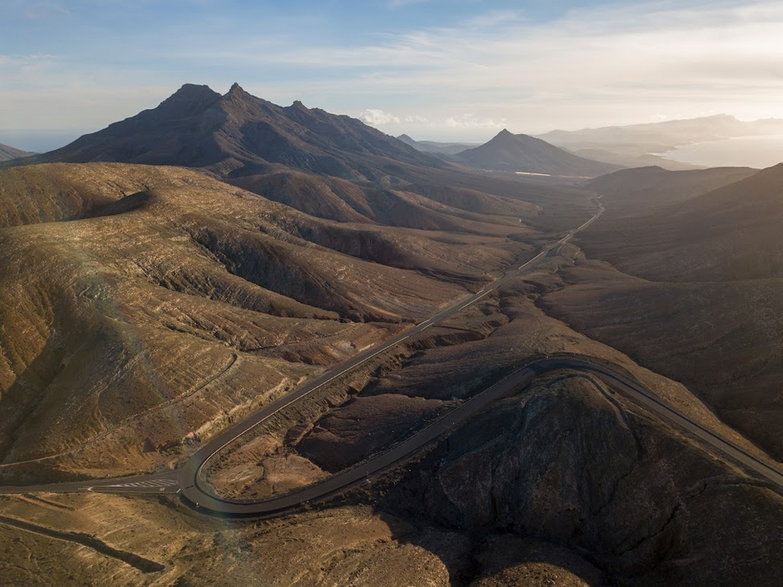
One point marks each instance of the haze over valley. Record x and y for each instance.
(257, 334)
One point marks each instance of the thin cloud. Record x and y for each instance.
(403, 3)
(470, 121)
(376, 117)
(590, 67)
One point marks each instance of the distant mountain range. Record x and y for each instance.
(637, 145)
(525, 154)
(515, 153)
(243, 138)
(7, 153)
(437, 147)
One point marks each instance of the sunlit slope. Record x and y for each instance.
(143, 305)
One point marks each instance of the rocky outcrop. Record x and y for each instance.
(575, 465)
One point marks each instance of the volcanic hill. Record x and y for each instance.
(526, 154)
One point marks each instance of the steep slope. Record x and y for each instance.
(523, 153)
(721, 339)
(573, 464)
(7, 153)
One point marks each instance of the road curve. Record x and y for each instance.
(186, 481)
(614, 376)
(190, 474)
(186, 478)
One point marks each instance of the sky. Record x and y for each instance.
(454, 70)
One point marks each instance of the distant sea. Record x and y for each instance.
(757, 151)
(39, 141)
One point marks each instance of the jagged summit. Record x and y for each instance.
(237, 91)
(241, 134)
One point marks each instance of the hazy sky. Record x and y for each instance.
(440, 69)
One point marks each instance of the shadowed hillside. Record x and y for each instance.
(732, 232)
(695, 289)
(630, 191)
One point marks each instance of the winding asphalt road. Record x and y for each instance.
(187, 480)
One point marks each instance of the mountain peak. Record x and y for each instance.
(523, 153)
(193, 90)
(189, 99)
(505, 136)
(236, 90)
(200, 128)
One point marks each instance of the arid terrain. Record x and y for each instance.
(699, 275)
(168, 276)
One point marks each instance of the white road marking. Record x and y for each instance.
(152, 483)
